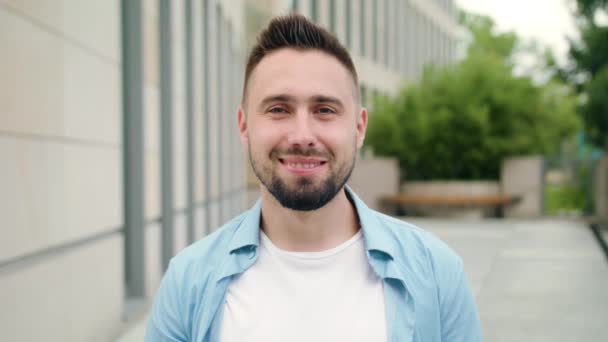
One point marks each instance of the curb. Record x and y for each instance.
(596, 229)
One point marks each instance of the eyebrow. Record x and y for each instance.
(289, 98)
(277, 98)
(327, 99)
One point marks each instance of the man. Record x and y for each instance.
(310, 262)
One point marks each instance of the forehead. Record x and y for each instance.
(301, 73)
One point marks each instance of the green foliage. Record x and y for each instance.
(595, 109)
(460, 122)
(571, 196)
(589, 7)
(485, 40)
(589, 72)
(568, 197)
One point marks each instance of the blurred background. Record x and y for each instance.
(118, 148)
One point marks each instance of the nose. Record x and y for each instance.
(301, 131)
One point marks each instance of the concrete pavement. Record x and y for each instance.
(534, 280)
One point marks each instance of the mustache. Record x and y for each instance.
(299, 151)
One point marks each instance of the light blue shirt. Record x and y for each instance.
(426, 293)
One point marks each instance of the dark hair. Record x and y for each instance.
(297, 32)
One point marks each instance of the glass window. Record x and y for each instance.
(347, 21)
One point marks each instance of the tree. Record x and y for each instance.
(461, 121)
(589, 69)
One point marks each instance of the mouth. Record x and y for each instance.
(302, 166)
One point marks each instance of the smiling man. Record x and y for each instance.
(310, 261)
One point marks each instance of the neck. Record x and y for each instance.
(309, 231)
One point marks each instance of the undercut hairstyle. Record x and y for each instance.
(295, 31)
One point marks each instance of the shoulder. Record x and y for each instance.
(438, 280)
(198, 260)
(415, 243)
(184, 286)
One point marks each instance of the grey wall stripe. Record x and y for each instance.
(206, 114)
(332, 16)
(362, 31)
(375, 32)
(347, 23)
(189, 63)
(314, 11)
(220, 107)
(229, 117)
(133, 147)
(387, 22)
(166, 131)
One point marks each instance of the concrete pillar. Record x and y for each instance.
(385, 175)
(601, 188)
(524, 177)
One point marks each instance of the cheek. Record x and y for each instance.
(263, 138)
(340, 142)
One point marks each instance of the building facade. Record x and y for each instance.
(118, 139)
(391, 40)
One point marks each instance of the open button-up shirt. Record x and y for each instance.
(426, 293)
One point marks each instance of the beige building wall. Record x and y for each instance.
(62, 239)
(60, 154)
(62, 251)
(225, 196)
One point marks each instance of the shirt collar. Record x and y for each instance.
(380, 242)
(378, 238)
(248, 232)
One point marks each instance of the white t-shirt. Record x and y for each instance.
(332, 295)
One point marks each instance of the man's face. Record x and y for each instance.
(301, 125)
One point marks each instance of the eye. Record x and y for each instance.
(326, 110)
(277, 110)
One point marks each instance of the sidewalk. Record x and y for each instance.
(544, 280)
(135, 333)
(534, 280)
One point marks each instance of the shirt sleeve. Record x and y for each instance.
(166, 321)
(459, 317)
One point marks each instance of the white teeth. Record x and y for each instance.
(303, 165)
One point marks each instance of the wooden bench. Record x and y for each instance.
(401, 201)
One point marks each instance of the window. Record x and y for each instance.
(314, 10)
(166, 134)
(375, 29)
(347, 18)
(133, 148)
(332, 16)
(362, 28)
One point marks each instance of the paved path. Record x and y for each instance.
(544, 280)
(535, 280)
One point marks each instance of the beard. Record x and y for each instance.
(304, 195)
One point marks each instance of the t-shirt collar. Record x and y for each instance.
(378, 238)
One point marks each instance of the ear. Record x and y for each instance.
(361, 127)
(242, 125)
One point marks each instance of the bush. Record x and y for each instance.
(461, 121)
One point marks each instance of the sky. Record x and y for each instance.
(547, 21)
